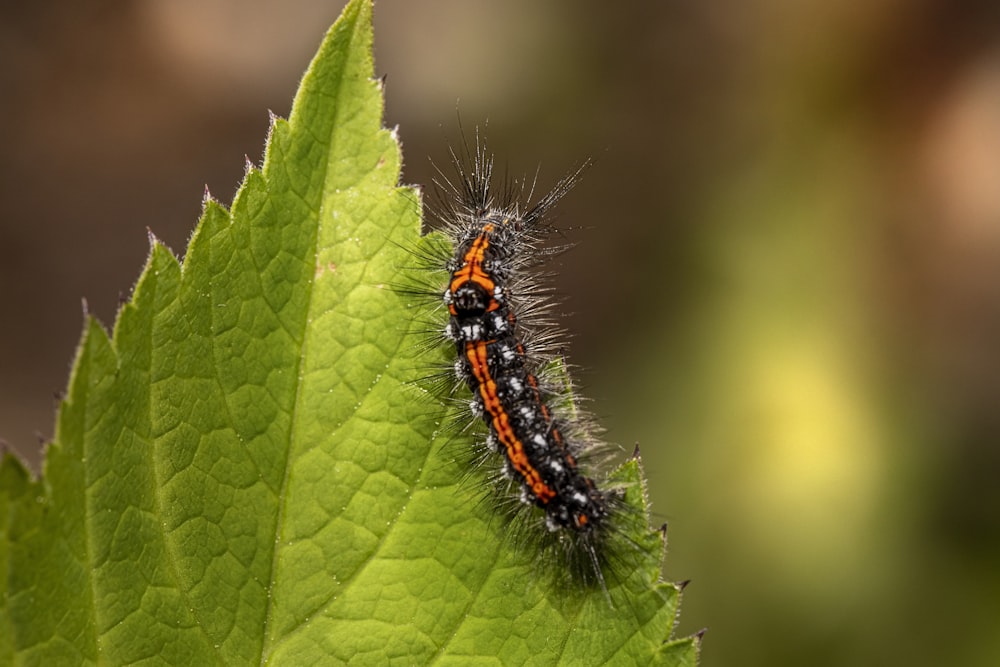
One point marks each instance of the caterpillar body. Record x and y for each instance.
(538, 447)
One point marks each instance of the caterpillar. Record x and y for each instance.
(538, 447)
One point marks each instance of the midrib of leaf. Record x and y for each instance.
(330, 182)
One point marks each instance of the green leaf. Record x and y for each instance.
(243, 472)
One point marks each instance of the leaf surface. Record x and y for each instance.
(243, 471)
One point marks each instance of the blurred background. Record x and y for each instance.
(786, 288)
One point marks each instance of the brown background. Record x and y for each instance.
(787, 284)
